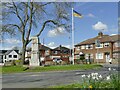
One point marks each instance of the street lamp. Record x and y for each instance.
(97, 43)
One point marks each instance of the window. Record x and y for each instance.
(14, 56)
(117, 44)
(65, 51)
(99, 55)
(55, 52)
(106, 44)
(5, 56)
(47, 52)
(100, 45)
(78, 48)
(82, 47)
(10, 56)
(88, 56)
(89, 46)
(91, 56)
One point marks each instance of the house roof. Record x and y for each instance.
(61, 48)
(9, 51)
(3, 51)
(43, 47)
(6, 52)
(103, 38)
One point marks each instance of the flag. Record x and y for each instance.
(76, 14)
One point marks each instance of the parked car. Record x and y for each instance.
(57, 60)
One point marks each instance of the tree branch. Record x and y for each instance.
(44, 24)
(26, 13)
(30, 23)
(18, 13)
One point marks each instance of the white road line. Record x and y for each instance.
(77, 73)
(34, 75)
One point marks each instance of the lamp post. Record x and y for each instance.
(97, 43)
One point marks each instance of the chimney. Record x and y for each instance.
(100, 34)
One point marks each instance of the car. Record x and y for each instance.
(57, 60)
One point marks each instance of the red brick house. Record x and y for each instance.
(47, 54)
(109, 47)
(60, 52)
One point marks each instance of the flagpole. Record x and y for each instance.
(73, 37)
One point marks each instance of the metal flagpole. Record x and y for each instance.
(73, 37)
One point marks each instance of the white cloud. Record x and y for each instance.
(68, 46)
(2, 47)
(51, 44)
(57, 31)
(11, 41)
(100, 26)
(113, 34)
(91, 15)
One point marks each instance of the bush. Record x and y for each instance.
(18, 62)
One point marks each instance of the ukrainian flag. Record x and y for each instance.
(76, 14)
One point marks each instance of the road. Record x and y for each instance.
(46, 79)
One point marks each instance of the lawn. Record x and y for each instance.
(15, 69)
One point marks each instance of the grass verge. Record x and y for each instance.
(15, 69)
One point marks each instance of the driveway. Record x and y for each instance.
(46, 79)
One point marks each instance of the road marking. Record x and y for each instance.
(77, 73)
(34, 75)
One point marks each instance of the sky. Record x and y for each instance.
(97, 16)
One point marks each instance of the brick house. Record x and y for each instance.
(47, 54)
(60, 52)
(108, 47)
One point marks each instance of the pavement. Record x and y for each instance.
(52, 78)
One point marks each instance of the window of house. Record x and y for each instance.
(47, 52)
(78, 48)
(5, 56)
(55, 52)
(106, 44)
(99, 55)
(14, 56)
(100, 45)
(89, 46)
(10, 56)
(65, 52)
(82, 47)
(117, 44)
(88, 56)
(91, 56)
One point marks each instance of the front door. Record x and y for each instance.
(107, 57)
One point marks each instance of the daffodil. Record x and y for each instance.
(83, 75)
(108, 78)
(90, 86)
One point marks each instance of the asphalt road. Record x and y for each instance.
(46, 79)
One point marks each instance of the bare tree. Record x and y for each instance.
(24, 17)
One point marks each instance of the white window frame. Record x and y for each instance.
(78, 48)
(83, 47)
(101, 46)
(90, 46)
(106, 44)
(99, 55)
(47, 52)
(117, 44)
